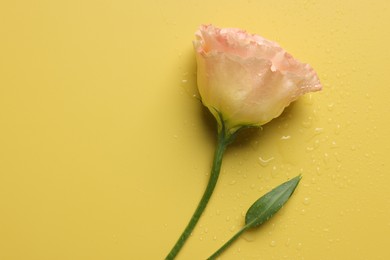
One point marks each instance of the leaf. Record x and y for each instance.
(265, 207)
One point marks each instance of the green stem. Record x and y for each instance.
(231, 240)
(224, 139)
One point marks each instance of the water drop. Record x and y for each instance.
(326, 158)
(272, 243)
(265, 162)
(248, 237)
(306, 201)
(306, 124)
(274, 171)
(337, 156)
(337, 130)
(309, 148)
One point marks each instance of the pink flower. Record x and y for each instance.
(246, 79)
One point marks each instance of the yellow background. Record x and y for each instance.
(104, 153)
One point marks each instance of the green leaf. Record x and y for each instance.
(265, 207)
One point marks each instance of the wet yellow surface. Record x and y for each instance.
(104, 154)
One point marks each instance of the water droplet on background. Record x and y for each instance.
(306, 201)
(265, 161)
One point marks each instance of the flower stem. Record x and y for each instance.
(231, 240)
(224, 139)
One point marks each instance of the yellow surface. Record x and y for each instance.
(104, 155)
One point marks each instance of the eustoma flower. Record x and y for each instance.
(247, 79)
(244, 80)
